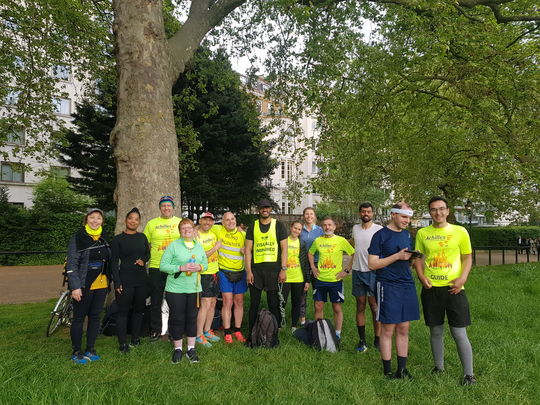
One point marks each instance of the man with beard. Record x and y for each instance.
(363, 278)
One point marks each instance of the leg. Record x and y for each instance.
(402, 339)
(204, 310)
(319, 309)
(177, 321)
(464, 349)
(361, 321)
(80, 310)
(191, 316)
(376, 325)
(156, 298)
(210, 315)
(303, 301)
(238, 300)
(285, 291)
(338, 316)
(123, 300)
(297, 293)
(226, 309)
(272, 299)
(139, 304)
(387, 331)
(255, 300)
(96, 307)
(437, 346)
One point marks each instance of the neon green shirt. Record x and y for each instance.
(443, 248)
(294, 271)
(330, 255)
(208, 240)
(160, 233)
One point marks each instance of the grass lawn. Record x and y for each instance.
(505, 335)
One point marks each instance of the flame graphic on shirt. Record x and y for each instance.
(164, 244)
(292, 262)
(440, 261)
(327, 264)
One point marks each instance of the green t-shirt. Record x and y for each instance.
(160, 233)
(330, 255)
(443, 248)
(294, 271)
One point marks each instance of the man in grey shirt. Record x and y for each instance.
(363, 279)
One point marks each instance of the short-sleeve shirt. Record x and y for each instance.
(443, 248)
(281, 234)
(330, 255)
(160, 232)
(387, 242)
(208, 241)
(362, 239)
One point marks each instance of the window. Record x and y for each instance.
(12, 98)
(290, 170)
(62, 106)
(314, 168)
(61, 72)
(283, 206)
(15, 137)
(290, 208)
(60, 171)
(12, 172)
(283, 170)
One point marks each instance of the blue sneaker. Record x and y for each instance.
(91, 355)
(361, 348)
(202, 341)
(209, 335)
(78, 358)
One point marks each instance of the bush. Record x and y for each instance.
(503, 236)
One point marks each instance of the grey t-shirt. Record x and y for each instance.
(362, 239)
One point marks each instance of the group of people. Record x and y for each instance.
(190, 265)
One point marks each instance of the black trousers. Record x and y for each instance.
(297, 293)
(131, 298)
(183, 313)
(157, 286)
(91, 306)
(255, 301)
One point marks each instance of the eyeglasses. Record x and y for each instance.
(434, 210)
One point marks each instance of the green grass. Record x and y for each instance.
(505, 336)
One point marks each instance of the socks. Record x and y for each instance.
(228, 331)
(236, 329)
(387, 366)
(190, 347)
(361, 332)
(338, 334)
(401, 363)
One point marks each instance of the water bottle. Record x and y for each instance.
(191, 260)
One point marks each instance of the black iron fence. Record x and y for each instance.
(493, 255)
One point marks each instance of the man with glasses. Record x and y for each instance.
(443, 272)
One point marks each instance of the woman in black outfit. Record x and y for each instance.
(88, 277)
(130, 252)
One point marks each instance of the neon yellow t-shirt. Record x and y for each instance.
(208, 240)
(330, 255)
(294, 271)
(443, 248)
(160, 233)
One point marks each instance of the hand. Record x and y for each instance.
(139, 262)
(315, 272)
(306, 286)
(193, 267)
(426, 282)
(76, 294)
(341, 275)
(243, 251)
(218, 245)
(249, 277)
(456, 285)
(282, 277)
(403, 255)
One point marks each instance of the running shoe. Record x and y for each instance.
(192, 355)
(238, 336)
(78, 358)
(210, 336)
(390, 376)
(176, 356)
(227, 338)
(437, 370)
(361, 348)
(124, 348)
(134, 343)
(91, 355)
(468, 380)
(202, 341)
(155, 336)
(402, 374)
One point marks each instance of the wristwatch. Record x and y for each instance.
(284, 268)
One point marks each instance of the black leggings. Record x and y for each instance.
(255, 300)
(130, 296)
(182, 314)
(157, 286)
(90, 305)
(297, 292)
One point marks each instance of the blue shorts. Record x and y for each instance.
(225, 286)
(397, 303)
(324, 289)
(363, 283)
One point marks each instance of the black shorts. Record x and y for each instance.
(264, 279)
(209, 285)
(436, 301)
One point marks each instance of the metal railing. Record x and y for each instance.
(504, 254)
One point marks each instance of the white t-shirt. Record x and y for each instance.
(362, 239)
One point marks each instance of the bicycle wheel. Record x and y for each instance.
(63, 305)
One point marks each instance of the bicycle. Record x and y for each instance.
(62, 312)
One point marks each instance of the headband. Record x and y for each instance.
(402, 211)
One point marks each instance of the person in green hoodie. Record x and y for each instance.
(183, 261)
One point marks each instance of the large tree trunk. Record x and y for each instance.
(144, 137)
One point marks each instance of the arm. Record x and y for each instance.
(311, 260)
(377, 263)
(146, 256)
(115, 270)
(247, 260)
(73, 259)
(284, 253)
(214, 249)
(458, 283)
(419, 265)
(166, 265)
(304, 262)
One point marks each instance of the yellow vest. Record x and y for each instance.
(208, 240)
(265, 245)
(230, 255)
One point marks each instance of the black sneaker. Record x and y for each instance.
(192, 356)
(402, 374)
(155, 336)
(436, 370)
(389, 375)
(124, 348)
(468, 380)
(176, 356)
(135, 343)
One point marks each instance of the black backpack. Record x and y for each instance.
(320, 335)
(265, 331)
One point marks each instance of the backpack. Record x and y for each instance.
(319, 334)
(265, 331)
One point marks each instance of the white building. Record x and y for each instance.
(297, 163)
(20, 182)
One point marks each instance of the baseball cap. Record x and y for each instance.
(207, 215)
(264, 203)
